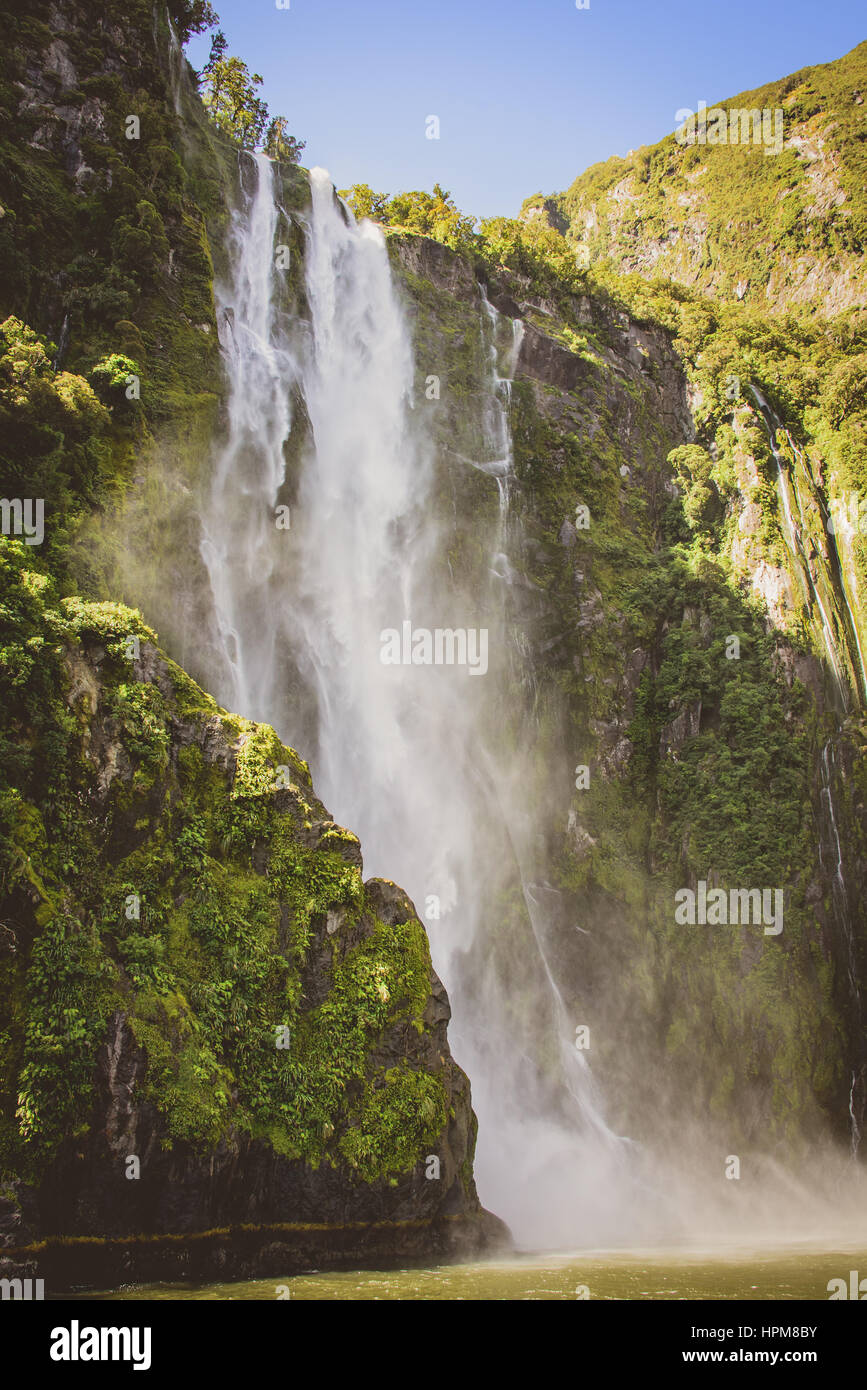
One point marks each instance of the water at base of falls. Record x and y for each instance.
(743, 1272)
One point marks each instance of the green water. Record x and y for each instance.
(793, 1273)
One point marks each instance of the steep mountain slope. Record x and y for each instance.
(775, 223)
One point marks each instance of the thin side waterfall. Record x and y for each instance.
(496, 459)
(841, 897)
(496, 414)
(796, 549)
(576, 1073)
(177, 62)
(839, 567)
(841, 577)
(405, 754)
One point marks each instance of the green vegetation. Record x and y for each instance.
(103, 371)
(809, 368)
(708, 775)
(208, 905)
(715, 770)
(279, 144)
(129, 887)
(228, 91)
(136, 271)
(731, 220)
(532, 251)
(428, 214)
(229, 95)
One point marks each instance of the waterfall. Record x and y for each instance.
(840, 894)
(795, 545)
(496, 419)
(62, 344)
(238, 525)
(407, 755)
(177, 63)
(796, 549)
(496, 435)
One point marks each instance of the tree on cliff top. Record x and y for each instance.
(431, 214)
(229, 93)
(192, 17)
(279, 144)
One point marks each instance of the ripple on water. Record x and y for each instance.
(791, 1273)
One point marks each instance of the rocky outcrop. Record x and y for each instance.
(344, 1130)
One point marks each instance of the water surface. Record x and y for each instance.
(795, 1272)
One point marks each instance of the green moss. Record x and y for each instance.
(153, 908)
(395, 1122)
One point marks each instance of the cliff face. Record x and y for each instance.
(704, 759)
(209, 1019)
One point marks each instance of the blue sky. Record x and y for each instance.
(528, 92)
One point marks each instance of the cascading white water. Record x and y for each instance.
(796, 549)
(841, 569)
(838, 879)
(406, 755)
(496, 417)
(238, 524)
(177, 62)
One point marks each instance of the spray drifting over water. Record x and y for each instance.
(420, 760)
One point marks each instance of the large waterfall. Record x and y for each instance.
(408, 755)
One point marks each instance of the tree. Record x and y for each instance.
(219, 44)
(365, 203)
(693, 467)
(229, 94)
(432, 214)
(279, 144)
(192, 17)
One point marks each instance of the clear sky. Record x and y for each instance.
(528, 92)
